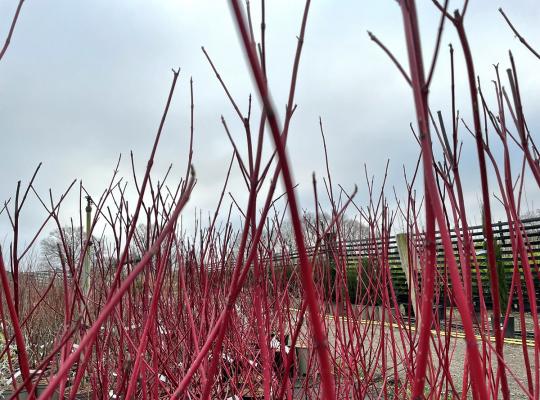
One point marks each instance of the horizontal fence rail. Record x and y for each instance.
(352, 251)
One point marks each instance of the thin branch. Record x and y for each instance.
(11, 29)
(392, 57)
(437, 44)
(521, 38)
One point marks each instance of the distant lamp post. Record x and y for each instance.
(86, 265)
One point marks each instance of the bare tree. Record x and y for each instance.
(66, 242)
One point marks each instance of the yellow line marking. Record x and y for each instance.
(458, 335)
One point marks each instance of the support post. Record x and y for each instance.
(402, 242)
(86, 265)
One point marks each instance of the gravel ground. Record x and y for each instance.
(513, 353)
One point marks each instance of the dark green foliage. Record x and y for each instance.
(501, 274)
(360, 283)
(502, 281)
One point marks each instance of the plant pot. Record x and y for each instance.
(388, 313)
(302, 358)
(369, 312)
(510, 330)
(341, 308)
(84, 395)
(23, 394)
(440, 312)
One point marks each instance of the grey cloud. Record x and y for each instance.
(84, 82)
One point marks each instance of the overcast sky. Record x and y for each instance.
(85, 81)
